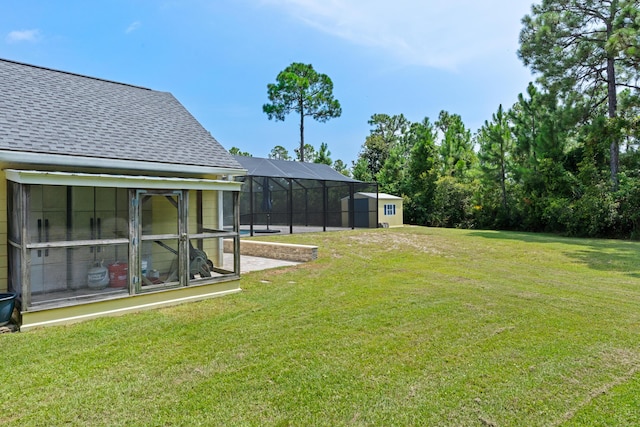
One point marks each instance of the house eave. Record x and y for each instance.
(13, 159)
(123, 181)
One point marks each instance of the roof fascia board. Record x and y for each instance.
(20, 157)
(381, 196)
(121, 181)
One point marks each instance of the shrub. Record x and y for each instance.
(452, 204)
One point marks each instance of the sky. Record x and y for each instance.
(411, 57)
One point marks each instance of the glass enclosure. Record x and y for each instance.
(71, 244)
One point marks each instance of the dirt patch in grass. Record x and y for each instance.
(392, 242)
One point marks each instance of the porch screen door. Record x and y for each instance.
(158, 252)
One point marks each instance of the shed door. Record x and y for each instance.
(361, 211)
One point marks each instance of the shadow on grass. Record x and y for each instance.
(598, 254)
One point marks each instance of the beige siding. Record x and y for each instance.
(210, 220)
(392, 220)
(164, 220)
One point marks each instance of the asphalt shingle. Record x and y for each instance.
(54, 112)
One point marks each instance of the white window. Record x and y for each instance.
(390, 209)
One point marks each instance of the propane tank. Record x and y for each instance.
(98, 277)
(118, 274)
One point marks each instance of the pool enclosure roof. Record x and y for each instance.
(272, 168)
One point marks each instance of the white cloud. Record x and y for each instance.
(134, 26)
(432, 33)
(23, 36)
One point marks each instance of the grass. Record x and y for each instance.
(412, 326)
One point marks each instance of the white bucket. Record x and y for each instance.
(98, 276)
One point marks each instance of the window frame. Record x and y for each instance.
(389, 209)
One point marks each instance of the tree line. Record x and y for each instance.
(564, 158)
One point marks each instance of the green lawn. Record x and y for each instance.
(389, 327)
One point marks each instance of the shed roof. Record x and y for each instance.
(272, 168)
(384, 196)
(45, 111)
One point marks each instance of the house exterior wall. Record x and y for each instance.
(4, 259)
(164, 220)
(210, 219)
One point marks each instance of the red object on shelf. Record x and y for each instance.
(118, 273)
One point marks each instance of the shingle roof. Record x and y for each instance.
(257, 166)
(53, 112)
